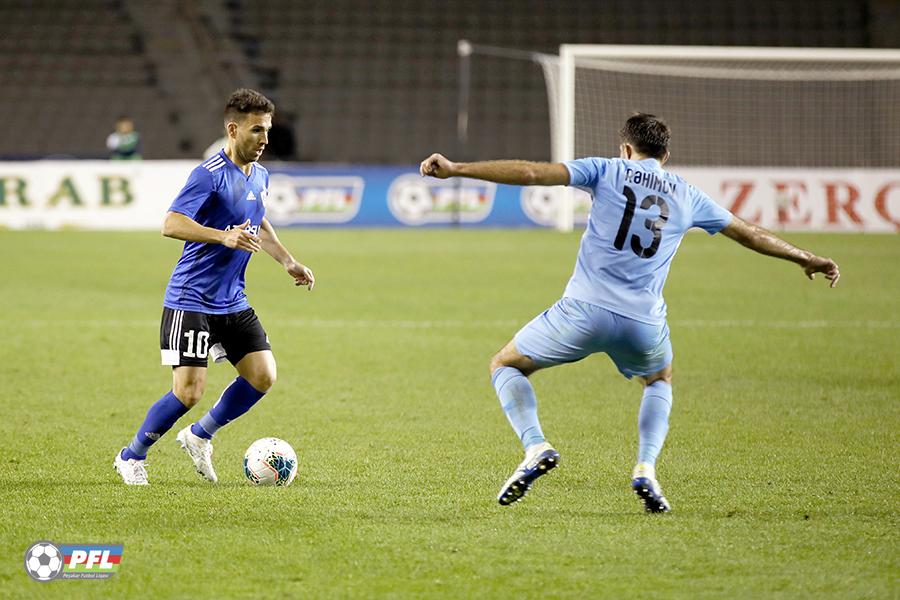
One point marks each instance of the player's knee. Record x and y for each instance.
(664, 375)
(504, 359)
(496, 363)
(188, 393)
(266, 381)
(666, 378)
(263, 379)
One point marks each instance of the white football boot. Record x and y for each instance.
(200, 450)
(132, 470)
(539, 460)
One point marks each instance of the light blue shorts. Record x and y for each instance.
(571, 330)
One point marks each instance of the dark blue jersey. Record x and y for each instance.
(209, 278)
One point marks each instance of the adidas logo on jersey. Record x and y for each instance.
(251, 195)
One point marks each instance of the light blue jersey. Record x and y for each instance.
(209, 278)
(638, 216)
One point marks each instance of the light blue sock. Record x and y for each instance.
(238, 398)
(160, 418)
(653, 420)
(519, 403)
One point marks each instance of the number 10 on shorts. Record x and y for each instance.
(197, 345)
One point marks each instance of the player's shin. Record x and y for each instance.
(237, 399)
(160, 418)
(653, 421)
(519, 403)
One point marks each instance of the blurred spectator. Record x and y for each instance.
(124, 143)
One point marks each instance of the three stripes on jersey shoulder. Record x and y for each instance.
(216, 162)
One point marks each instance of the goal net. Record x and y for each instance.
(745, 107)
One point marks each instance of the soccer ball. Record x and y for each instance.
(270, 461)
(43, 561)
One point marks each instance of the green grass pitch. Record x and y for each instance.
(781, 463)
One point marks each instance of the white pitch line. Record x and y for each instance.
(818, 324)
(462, 323)
(401, 323)
(709, 323)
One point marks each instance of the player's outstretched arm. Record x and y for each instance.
(302, 274)
(182, 227)
(765, 242)
(514, 172)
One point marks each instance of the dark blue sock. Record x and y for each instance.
(160, 418)
(238, 398)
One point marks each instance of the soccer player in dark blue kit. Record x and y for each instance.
(220, 214)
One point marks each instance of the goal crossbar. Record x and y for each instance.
(778, 65)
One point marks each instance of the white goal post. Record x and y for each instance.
(730, 106)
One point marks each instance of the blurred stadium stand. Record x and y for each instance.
(364, 82)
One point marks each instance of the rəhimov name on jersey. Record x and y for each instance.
(209, 278)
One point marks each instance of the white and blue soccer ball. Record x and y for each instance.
(43, 561)
(270, 461)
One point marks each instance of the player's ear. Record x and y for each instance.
(231, 128)
(665, 158)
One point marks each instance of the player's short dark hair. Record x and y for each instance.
(244, 101)
(648, 134)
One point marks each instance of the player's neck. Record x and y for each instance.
(233, 157)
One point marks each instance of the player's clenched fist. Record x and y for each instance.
(437, 165)
(240, 239)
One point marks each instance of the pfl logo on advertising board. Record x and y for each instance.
(414, 200)
(46, 561)
(294, 200)
(540, 204)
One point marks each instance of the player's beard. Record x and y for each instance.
(251, 155)
(248, 155)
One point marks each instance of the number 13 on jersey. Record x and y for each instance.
(654, 226)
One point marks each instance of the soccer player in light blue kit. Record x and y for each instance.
(613, 302)
(220, 214)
